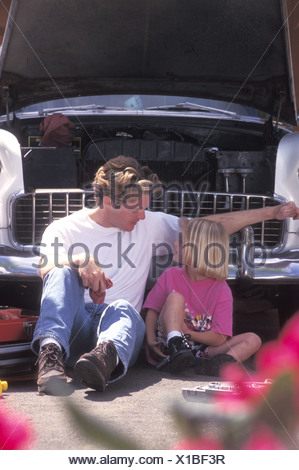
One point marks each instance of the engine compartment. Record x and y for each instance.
(206, 166)
(224, 157)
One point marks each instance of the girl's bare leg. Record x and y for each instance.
(171, 319)
(241, 347)
(173, 312)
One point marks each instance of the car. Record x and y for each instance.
(202, 93)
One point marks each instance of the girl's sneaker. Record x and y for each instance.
(180, 354)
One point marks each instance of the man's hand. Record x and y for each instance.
(98, 296)
(287, 209)
(93, 276)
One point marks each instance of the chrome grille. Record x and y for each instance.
(32, 213)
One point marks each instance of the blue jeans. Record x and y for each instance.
(79, 327)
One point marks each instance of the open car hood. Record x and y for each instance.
(234, 51)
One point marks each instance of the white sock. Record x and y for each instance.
(47, 341)
(172, 334)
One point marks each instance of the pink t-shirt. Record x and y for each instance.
(208, 303)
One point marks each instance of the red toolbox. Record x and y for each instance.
(19, 329)
(16, 331)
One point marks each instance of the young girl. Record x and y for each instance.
(193, 302)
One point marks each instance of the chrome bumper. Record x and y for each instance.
(17, 264)
(16, 359)
(274, 271)
(282, 269)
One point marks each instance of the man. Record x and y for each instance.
(107, 251)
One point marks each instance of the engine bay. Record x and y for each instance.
(228, 158)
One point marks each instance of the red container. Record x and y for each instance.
(17, 329)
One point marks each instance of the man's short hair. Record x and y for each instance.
(123, 177)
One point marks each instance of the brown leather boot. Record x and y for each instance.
(95, 367)
(51, 378)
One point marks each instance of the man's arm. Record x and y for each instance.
(234, 221)
(46, 263)
(92, 275)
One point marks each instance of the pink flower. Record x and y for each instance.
(207, 442)
(274, 358)
(263, 439)
(289, 337)
(15, 431)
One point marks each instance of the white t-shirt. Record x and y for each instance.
(124, 256)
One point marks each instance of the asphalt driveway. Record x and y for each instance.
(138, 407)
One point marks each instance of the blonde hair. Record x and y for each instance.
(123, 177)
(205, 247)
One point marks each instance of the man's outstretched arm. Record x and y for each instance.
(234, 221)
